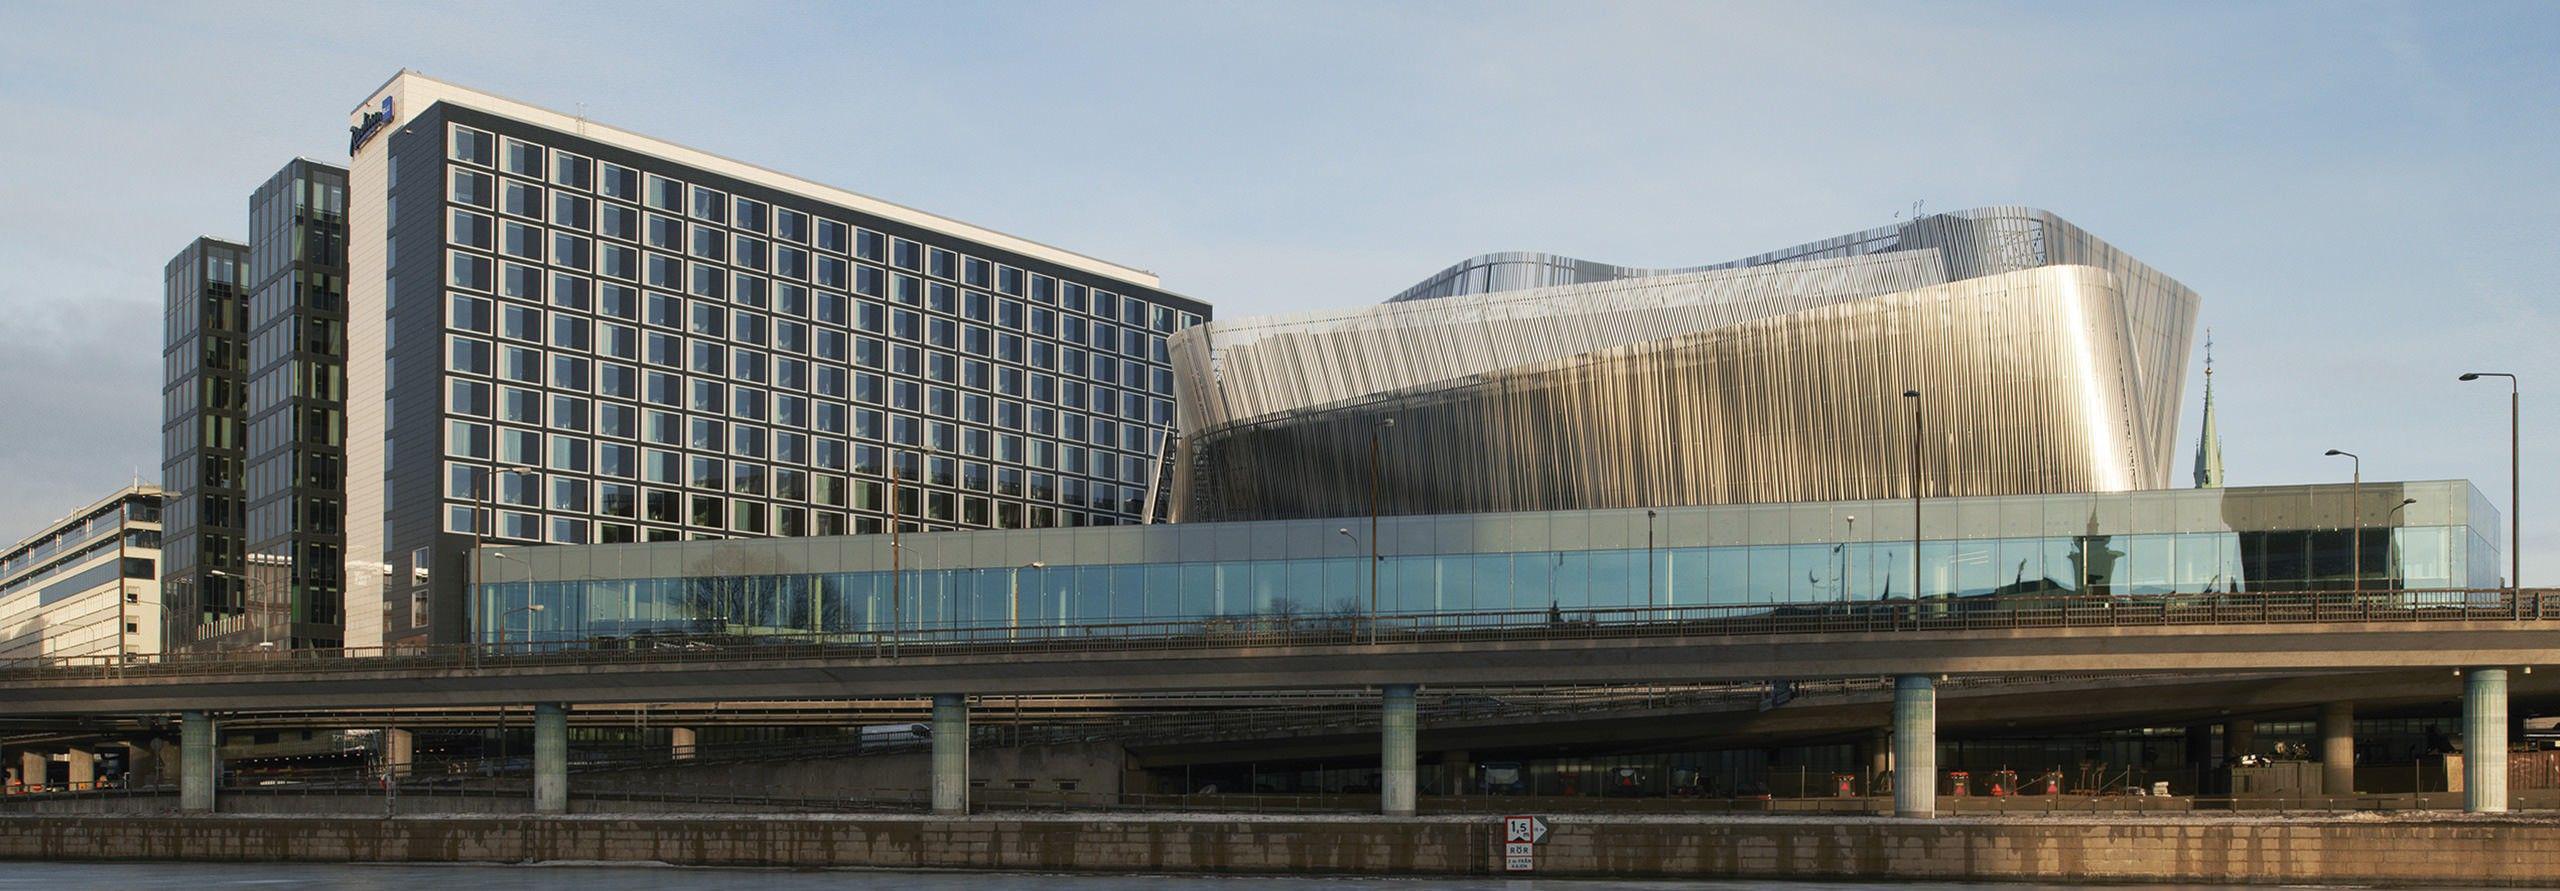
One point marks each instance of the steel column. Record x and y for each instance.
(2484, 741)
(1397, 723)
(1915, 746)
(950, 754)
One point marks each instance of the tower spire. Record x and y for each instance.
(2209, 445)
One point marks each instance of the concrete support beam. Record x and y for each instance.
(1915, 746)
(1398, 724)
(399, 752)
(34, 769)
(142, 764)
(680, 743)
(950, 754)
(2484, 741)
(2338, 748)
(1879, 759)
(2200, 747)
(550, 758)
(2239, 737)
(83, 773)
(199, 763)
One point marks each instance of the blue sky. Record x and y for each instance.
(2366, 195)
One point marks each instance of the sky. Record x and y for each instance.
(2366, 195)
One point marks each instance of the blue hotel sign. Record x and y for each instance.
(373, 123)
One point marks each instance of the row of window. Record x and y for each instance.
(622, 513)
(703, 208)
(913, 346)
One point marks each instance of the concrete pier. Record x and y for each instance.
(1915, 746)
(1397, 726)
(2338, 748)
(82, 774)
(399, 752)
(2484, 741)
(199, 763)
(2239, 737)
(550, 758)
(33, 770)
(950, 754)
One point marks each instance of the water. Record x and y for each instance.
(297, 876)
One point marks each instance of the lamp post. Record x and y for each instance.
(1383, 425)
(2399, 580)
(2515, 462)
(1845, 541)
(2356, 511)
(528, 609)
(484, 519)
(1916, 428)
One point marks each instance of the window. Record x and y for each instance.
(474, 146)
(474, 188)
(570, 170)
(524, 159)
(618, 181)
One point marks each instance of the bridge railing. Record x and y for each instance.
(1982, 614)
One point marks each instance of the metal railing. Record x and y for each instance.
(2011, 612)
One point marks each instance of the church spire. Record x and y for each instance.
(2209, 445)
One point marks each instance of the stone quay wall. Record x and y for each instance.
(2439, 850)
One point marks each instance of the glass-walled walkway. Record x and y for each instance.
(1063, 579)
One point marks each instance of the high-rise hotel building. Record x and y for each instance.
(563, 332)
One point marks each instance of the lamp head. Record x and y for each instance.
(2470, 376)
(1036, 564)
(1910, 394)
(2333, 453)
(1386, 422)
(536, 607)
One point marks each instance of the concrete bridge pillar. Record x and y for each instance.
(2338, 748)
(1396, 731)
(399, 752)
(33, 770)
(680, 743)
(550, 758)
(950, 754)
(2239, 737)
(83, 773)
(1458, 769)
(1915, 746)
(1878, 749)
(142, 763)
(199, 763)
(2484, 741)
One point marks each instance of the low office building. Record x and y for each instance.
(2419, 535)
(88, 585)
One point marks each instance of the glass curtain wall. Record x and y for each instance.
(1059, 600)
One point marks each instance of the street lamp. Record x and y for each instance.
(484, 515)
(2515, 489)
(528, 609)
(1382, 425)
(1916, 429)
(2357, 512)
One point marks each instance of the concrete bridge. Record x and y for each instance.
(2479, 634)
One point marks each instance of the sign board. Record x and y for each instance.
(1521, 834)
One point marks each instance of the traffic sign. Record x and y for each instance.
(1524, 828)
(1521, 834)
